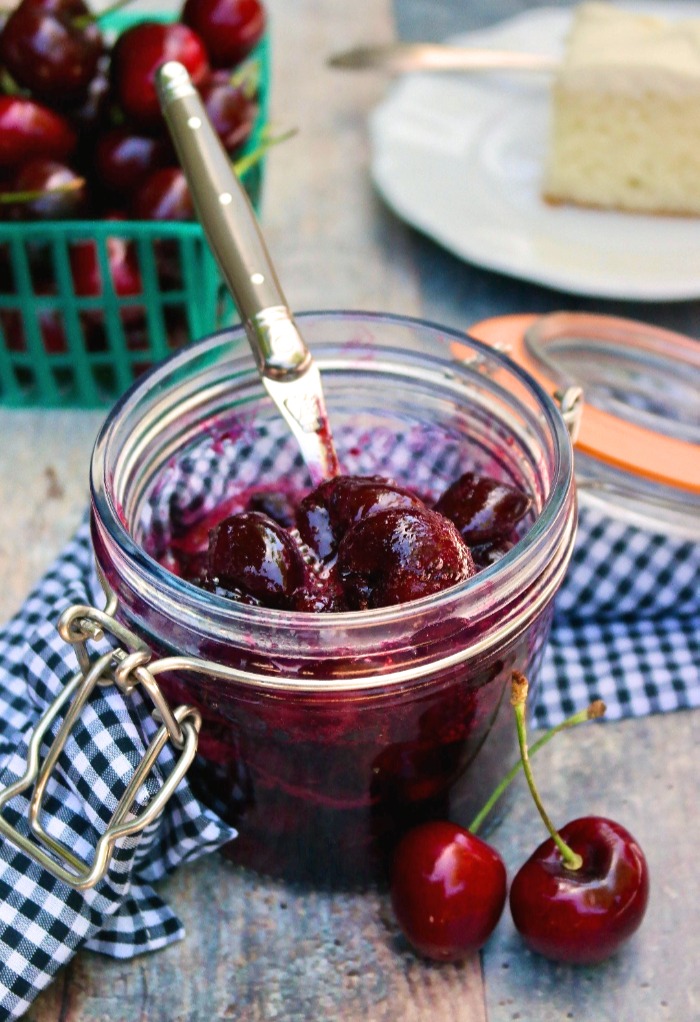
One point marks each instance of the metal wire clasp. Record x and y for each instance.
(126, 667)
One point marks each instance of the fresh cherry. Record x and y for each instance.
(483, 509)
(401, 554)
(164, 195)
(49, 50)
(60, 191)
(123, 159)
(122, 262)
(29, 130)
(229, 28)
(136, 56)
(231, 111)
(584, 891)
(252, 553)
(582, 916)
(448, 890)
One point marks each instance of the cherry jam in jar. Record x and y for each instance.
(331, 733)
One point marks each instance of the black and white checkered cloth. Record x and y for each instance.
(43, 921)
(626, 630)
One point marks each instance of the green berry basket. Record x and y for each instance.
(63, 349)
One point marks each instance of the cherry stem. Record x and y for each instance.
(244, 163)
(572, 860)
(95, 16)
(596, 709)
(9, 198)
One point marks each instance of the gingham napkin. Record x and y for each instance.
(43, 921)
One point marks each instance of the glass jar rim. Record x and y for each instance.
(501, 573)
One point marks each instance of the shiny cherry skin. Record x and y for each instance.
(230, 110)
(252, 553)
(164, 195)
(48, 51)
(29, 129)
(275, 505)
(325, 514)
(582, 916)
(136, 56)
(123, 158)
(401, 554)
(230, 28)
(123, 268)
(448, 890)
(483, 509)
(60, 201)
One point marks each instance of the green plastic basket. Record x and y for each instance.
(60, 349)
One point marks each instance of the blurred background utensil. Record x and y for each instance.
(400, 57)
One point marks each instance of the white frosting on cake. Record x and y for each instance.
(626, 113)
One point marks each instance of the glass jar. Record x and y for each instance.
(332, 733)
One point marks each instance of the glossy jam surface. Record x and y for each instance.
(353, 543)
(321, 784)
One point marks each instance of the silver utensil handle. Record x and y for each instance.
(229, 222)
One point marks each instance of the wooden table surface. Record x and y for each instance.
(257, 950)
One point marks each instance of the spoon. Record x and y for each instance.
(401, 57)
(284, 362)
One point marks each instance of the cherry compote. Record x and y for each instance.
(353, 543)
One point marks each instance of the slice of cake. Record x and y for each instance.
(625, 119)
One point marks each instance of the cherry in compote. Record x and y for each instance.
(360, 542)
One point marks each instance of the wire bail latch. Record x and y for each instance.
(126, 666)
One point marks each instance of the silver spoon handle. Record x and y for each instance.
(229, 222)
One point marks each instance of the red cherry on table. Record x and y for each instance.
(29, 129)
(448, 889)
(582, 916)
(47, 50)
(229, 28)
(139, 52)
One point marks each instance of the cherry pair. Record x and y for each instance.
(577, 899)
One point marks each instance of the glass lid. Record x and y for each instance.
(638, 439)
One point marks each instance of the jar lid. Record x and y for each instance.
(639, 430)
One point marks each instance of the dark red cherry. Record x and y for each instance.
(63, 191)
(314, 520)
(164, 195)
(230, 28)
(401, 554)
(123, 159)
(50, 323)
(136, 56)
(325, 514)
(29, 130)
(230, 110)
(48, 50)
(448, 889)
(482, 508)
(123, 268)
(582, 916)
(251, 552)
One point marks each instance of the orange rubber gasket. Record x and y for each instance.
(617, 442)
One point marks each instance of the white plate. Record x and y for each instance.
(460, 157)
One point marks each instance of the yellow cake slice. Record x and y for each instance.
(625, 116)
